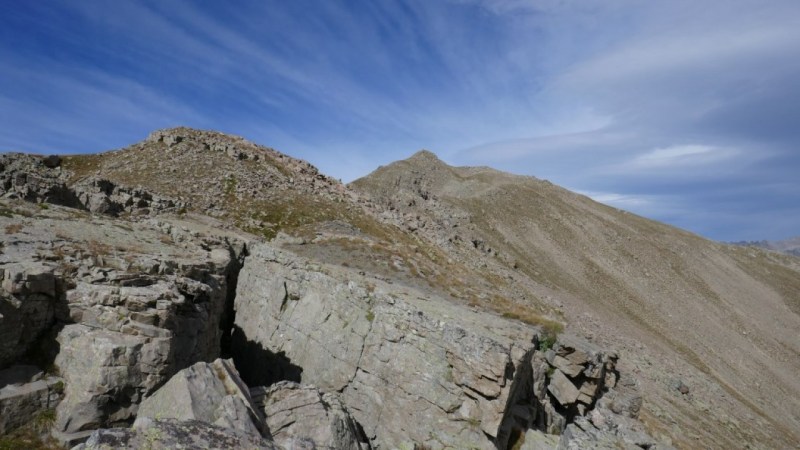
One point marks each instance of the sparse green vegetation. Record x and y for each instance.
(31, 436)
(547, 342)
(28, 440)
(58, 387)
(370, 315)
(43, 421)
(230, 185)
(81, 166)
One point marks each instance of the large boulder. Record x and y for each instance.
(168, 434)
(301, 416)
(411, 368)
(208, 392)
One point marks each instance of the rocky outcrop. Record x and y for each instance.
(208, 392)
(578, 373)
(303, 417)
(168, 434)
(34, 179)
(411, 368)
(26, 391)
(44, 180)
(105, 197)
(27, 307)
(116, 308)
(128, 340)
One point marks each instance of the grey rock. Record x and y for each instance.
(208, 392)
(615, 432)
(26, 391)
(567, 367)
(168, 434)
(537, 440)
(27, 307)
(132, 339)
(411, 367)
(302, 415)
(562, 389)
(624, 400)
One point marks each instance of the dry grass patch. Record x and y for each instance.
(14, 228)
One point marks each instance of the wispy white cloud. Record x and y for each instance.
(661, 107)
(622, 201)
(680, 156)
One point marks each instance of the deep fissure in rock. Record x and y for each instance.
(229, 313)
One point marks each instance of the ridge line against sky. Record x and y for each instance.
(681, 111)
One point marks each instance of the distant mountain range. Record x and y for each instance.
(789, 246)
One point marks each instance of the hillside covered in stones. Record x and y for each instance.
(197, 289)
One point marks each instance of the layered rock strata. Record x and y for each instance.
(301, 416)
(412, 368)
(207, 392)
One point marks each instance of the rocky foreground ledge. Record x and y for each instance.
(111, 330)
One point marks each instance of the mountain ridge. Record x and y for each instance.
(679, 309)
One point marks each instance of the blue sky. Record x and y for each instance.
(683, 111)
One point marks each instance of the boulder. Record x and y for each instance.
(25, 392)
(567, 366)
(616, 432)
(411, 367)
(208, 392)
(302, 415)
(168, 434)
(624, 399)
(562, 389)
(51, 161)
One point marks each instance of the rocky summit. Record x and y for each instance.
(196, 290)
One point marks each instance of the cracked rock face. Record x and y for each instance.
(130, 340)
(302, 416)
(208, 392)
(27, 307)
(410, 368)
(115, 307)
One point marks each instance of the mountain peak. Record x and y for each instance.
(425, 156)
